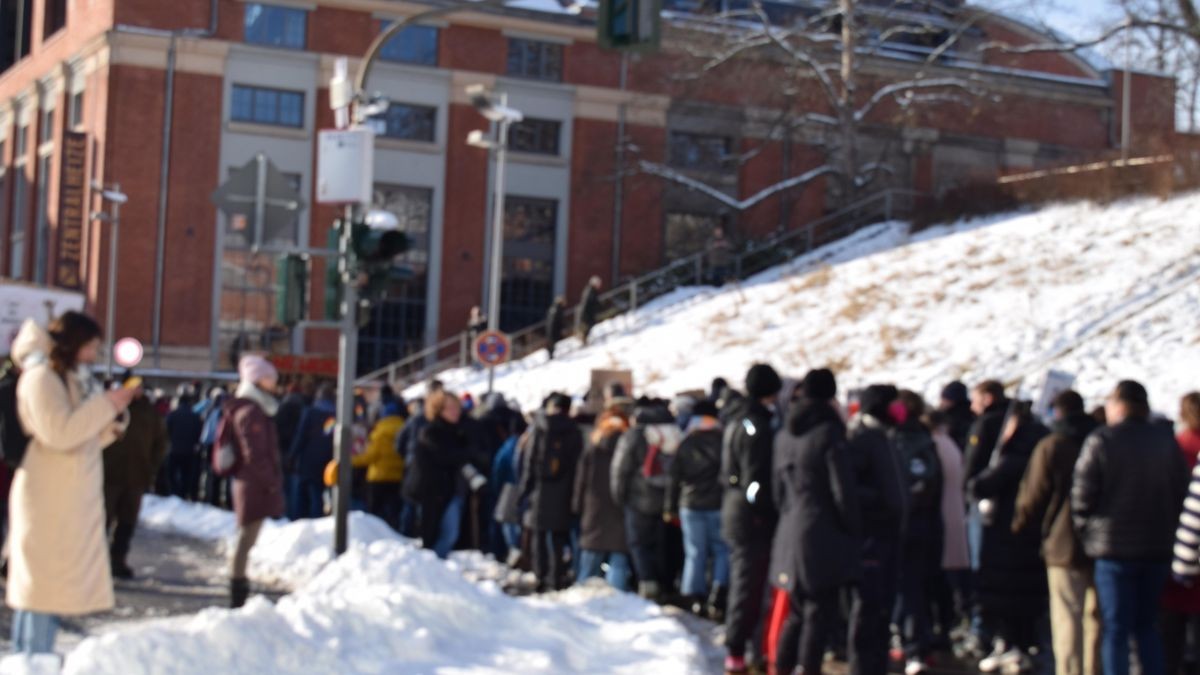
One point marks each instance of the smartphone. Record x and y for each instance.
(133, 383)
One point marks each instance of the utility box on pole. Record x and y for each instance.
(345, 166)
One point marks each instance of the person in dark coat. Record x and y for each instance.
(1044, 505)
(921, 550)
(130, 467)
(747, 509)
(257, 485)
(1126, 496)
(1011, 581)
(310, 453)
(694, 495)
(882, 498)
(439, 472)
(601, 520)
(956, 404)
(287, 421)
(547, 483)
(184, 427)
(589, 308)
(819, 543)
(639, 485)
(554, 324)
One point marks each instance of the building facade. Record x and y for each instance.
(166, 99)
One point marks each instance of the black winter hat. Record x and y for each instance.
(819, 385)
(762, 381)
(705, 408)
(956, 392)
(875, 400)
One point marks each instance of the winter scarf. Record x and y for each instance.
(251, 392)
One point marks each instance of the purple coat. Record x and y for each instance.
(258, 483)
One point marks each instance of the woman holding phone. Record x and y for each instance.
(58, 550)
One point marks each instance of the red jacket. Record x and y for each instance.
(258, 484)
(1179, 598)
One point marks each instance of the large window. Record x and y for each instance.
(46, 127)
(246, 319)
(688, 233)
(41, 251)
(260, 105)
(699, 152)
(16, 239)
(54, 17)
(408, 122)
(76, 114)
(417, 45)
(536, 136)
(397, 324)
(527, 287)
(536, 60)
(275, 26)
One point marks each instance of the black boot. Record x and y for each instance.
(239, 590)
(716, 603)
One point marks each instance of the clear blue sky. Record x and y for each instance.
(1076, 18)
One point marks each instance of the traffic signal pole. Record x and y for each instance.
(347, 361)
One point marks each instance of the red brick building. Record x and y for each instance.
(165, 98)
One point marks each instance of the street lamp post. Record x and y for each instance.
(115, 199)
(497, 110)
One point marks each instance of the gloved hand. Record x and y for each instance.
(475, 480)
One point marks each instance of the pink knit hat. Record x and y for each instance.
(255, 369)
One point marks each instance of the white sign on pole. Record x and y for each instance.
(1054, 383)
(345, 166)
(19, 302)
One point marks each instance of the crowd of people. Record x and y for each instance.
(869, 525)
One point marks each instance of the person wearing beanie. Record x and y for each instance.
(385, 466)
(257, 474)
(1129, 484)
(955, 403)
(882, 498)
(747, 509)
(818, 545)
(310, 454)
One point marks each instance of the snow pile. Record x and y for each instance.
(385, 607)
(1104, 292)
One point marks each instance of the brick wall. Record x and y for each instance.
(464, 221)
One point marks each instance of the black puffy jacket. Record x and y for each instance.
(882, 494)
(632, 485)
(695, 475)
(819, 545)
(982, 441)
(548, 477)
(745, 460)
(1127, 492)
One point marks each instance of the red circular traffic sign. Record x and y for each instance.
(493, 348)
(128, 352)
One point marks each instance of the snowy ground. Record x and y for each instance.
(384, 607)
(1104, 292)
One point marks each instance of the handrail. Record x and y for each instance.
(632, 293)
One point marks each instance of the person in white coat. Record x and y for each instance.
(58, 549)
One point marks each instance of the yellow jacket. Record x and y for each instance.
(384, 464)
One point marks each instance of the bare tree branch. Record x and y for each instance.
(735, 204)
(900, 88)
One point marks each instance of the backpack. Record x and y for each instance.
(13, 439)
(920, 468)
(552, 455)
(226, 458)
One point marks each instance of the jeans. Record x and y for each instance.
(702, 543)
(512, 535)
(591, 564)
(306, 498)
(1129, 592)
(33, 632)
(450, 526)
(410, 518)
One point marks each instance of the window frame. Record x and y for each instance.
(543, 133)
(674, 157)
(530, 67)
(384, 122)
(394, 57)
(255, 91)
(282, 42)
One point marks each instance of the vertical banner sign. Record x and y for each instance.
(72, 182)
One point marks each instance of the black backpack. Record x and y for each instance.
(13, 440)
(920, 468)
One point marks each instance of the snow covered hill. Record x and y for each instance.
(1104, 292)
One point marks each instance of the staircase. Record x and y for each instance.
(455, 351)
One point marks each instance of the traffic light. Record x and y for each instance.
(630, 25)
(291, 300)
(333, 280)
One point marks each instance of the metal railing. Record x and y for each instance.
(756, 257)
